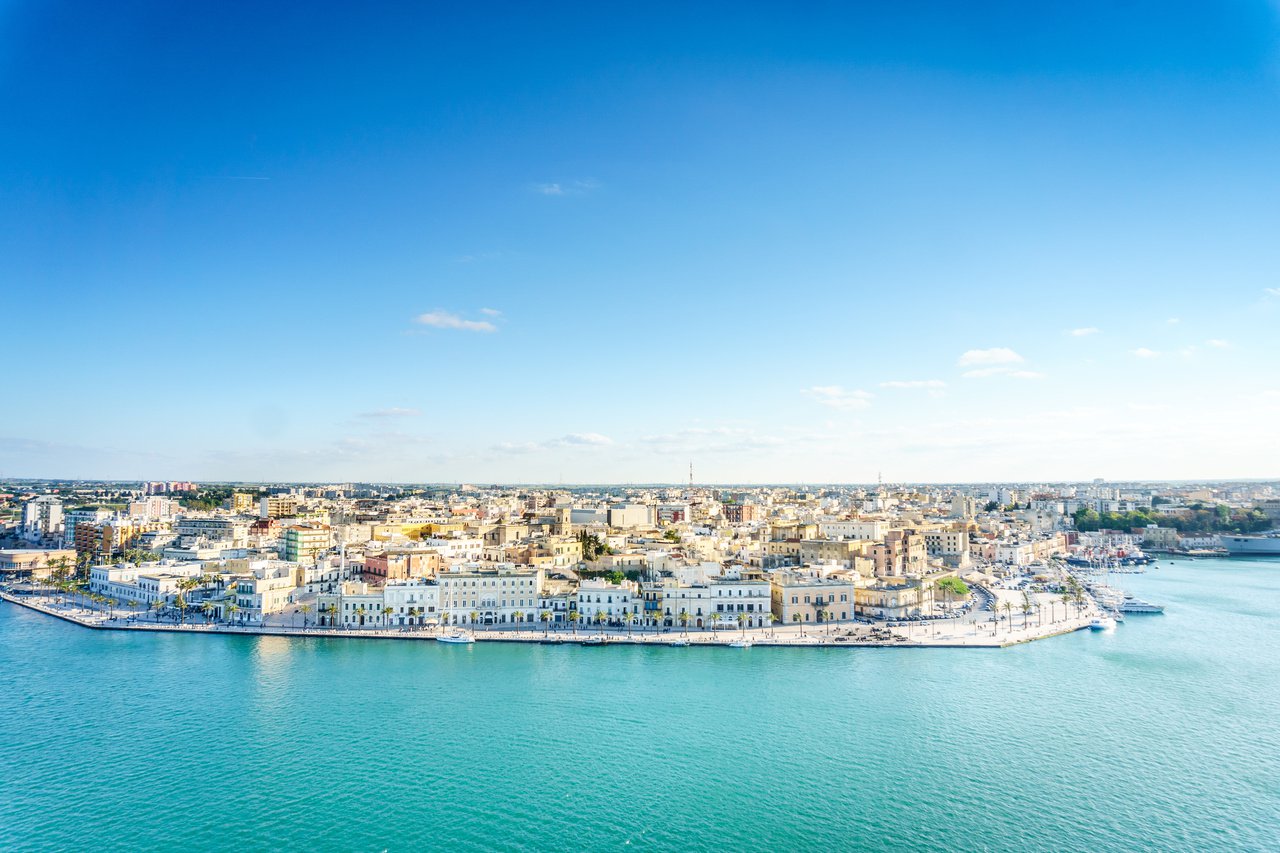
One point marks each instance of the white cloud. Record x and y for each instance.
(1218, 343)
(1271, 291)
(839, 398)
(1084, 332)
(392, 412)
(914, 383)
(1173, 321)
(548, 189)
(587, 439)
(1143, 352)
(491, 312)
(995, 355)
(1009, 372)
(446, 320)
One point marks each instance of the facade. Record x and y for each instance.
(613, 603)
(35, 562)
(391, 566)
(303, 542)
(894, 598)
(800, 598)
(740, 513)
(42, 519)
(490, 595)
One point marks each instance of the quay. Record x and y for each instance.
(933, 634)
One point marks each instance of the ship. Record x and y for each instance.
(1251, 545)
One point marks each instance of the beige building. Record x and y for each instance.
(895, 598)
(35, 561)
(799, 598)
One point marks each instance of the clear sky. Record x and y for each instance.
(595, 242)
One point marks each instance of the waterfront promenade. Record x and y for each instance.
(970, 631)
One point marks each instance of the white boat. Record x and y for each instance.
(1137, 605)
(740, 644)
(456, 638)
(594, 641)
(678, 643)
(1102, 624)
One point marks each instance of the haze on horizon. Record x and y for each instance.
(579, 244)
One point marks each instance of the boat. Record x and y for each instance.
(1137, 605)
(740, 644)
(1102, 623)
(1251, 545)
(458, 637)
(594, 641)
(678, 643)
(551, 641)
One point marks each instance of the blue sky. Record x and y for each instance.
(1009, 241)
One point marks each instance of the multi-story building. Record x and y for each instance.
(490, 595)
(741, 513)
(857, 528)
(42, 519)
(400, 565)
(303, 542)
(624, 516)
(894, 598)
(802, 598)
(600, 600)
(269, 589)
(277, 506)
(902, 553)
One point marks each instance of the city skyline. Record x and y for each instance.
(587, 246)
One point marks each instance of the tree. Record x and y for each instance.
(304, 610)
(414, 613)
(158, 605)
(683, 619)
(573, 619)
(742, 623)
(671, 535)
(1026, 608)
(231, 609)
(1007, 608)
(592, 547)
(518, 616)
(207, 608)
(475, 617)
(386, 615)
(545, 618)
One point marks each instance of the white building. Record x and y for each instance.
(473, 593)
(42, 518)
(861, 528)
(613, 602)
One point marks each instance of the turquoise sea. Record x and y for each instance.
(1164, 734)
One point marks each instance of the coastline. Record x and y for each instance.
(776, 637)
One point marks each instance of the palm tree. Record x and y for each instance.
(180, 602)
(742, 623)
(386, 615)
(1008, 608)
(545, 616)
(601, 618)
(795, 617)
(132, 604)
(769, 619)
(305, 609)
(518, 616)
(207, 608)
(413, 614)
(683, 618)
(475, 617)
(573, 619)
(159, 605)
(1026, 608)
(231, 609)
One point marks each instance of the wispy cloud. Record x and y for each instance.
(1218, 343)
(1143, 352)
(913, 383)
(839, 398)
(573, 439)
(447, 320)
(1084, 332)
(559, 188)
(1271, 291)
(1173, 321)
(995, 355)
(392, 412)
(491, 312)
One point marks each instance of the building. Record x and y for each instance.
(614, 603)
(36, 562)
(741, 513)
(401, 565)
(624, 516)
(804, 598)
(277, 506)
(490, 595)
(858, 528)
(269, 589)
(303, 542)
(894, 598)
(42, 519)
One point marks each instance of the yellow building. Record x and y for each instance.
(803, 599)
